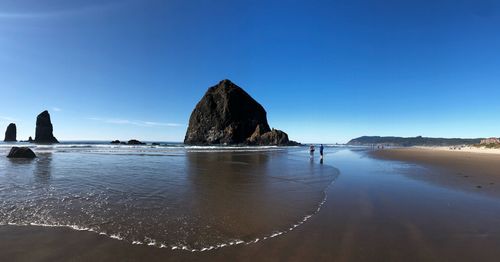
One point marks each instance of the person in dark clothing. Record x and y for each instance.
(321, 151)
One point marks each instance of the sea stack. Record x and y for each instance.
(44, 129)
(11, 133)
(228, 115)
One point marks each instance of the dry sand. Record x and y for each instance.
(465, 149)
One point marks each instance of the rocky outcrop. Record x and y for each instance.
(273, 137)
(44, 129)
(227, 114)
(130, 142)
(135, 142)
(21, 152)
(11, 133)
(30, 139)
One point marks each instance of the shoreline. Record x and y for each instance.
(470, 170)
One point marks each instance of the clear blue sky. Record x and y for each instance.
(326, 71)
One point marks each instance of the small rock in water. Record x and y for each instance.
(115, 142)
(135, 142)
(21, 152)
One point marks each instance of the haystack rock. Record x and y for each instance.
(228, 115)
(44, 129)
(11, 133)
(21, 152)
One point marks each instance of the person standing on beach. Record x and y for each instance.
(321, 151)
(311, 150)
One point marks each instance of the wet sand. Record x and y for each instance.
(374, 212)
(471, 171)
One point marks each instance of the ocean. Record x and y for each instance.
(169, 196)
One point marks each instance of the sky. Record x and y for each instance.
(325, 71)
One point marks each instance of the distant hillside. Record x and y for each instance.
(412, 141)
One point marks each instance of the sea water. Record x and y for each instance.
(168, 196)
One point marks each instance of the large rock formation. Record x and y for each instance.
(43, 133)
(228, 115)
(21, 152)
(10, 133)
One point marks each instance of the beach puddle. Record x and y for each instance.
(178, 198)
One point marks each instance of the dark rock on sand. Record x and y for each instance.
(21, 152)
(228, 115)
(11, 133)
(115, 142)
(135, 142)
(44, 129)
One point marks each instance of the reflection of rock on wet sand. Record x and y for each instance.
(43, 167)
(228, 190)
(251, 194)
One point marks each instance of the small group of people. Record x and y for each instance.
(312, 149)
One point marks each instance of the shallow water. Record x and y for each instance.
(194, 198)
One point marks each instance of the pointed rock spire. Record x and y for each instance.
(11, 133)
(44, 129)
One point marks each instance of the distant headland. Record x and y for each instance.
(412, 141)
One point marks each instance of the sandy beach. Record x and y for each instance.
(376, 210)
(472, 169)
(249, 131)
